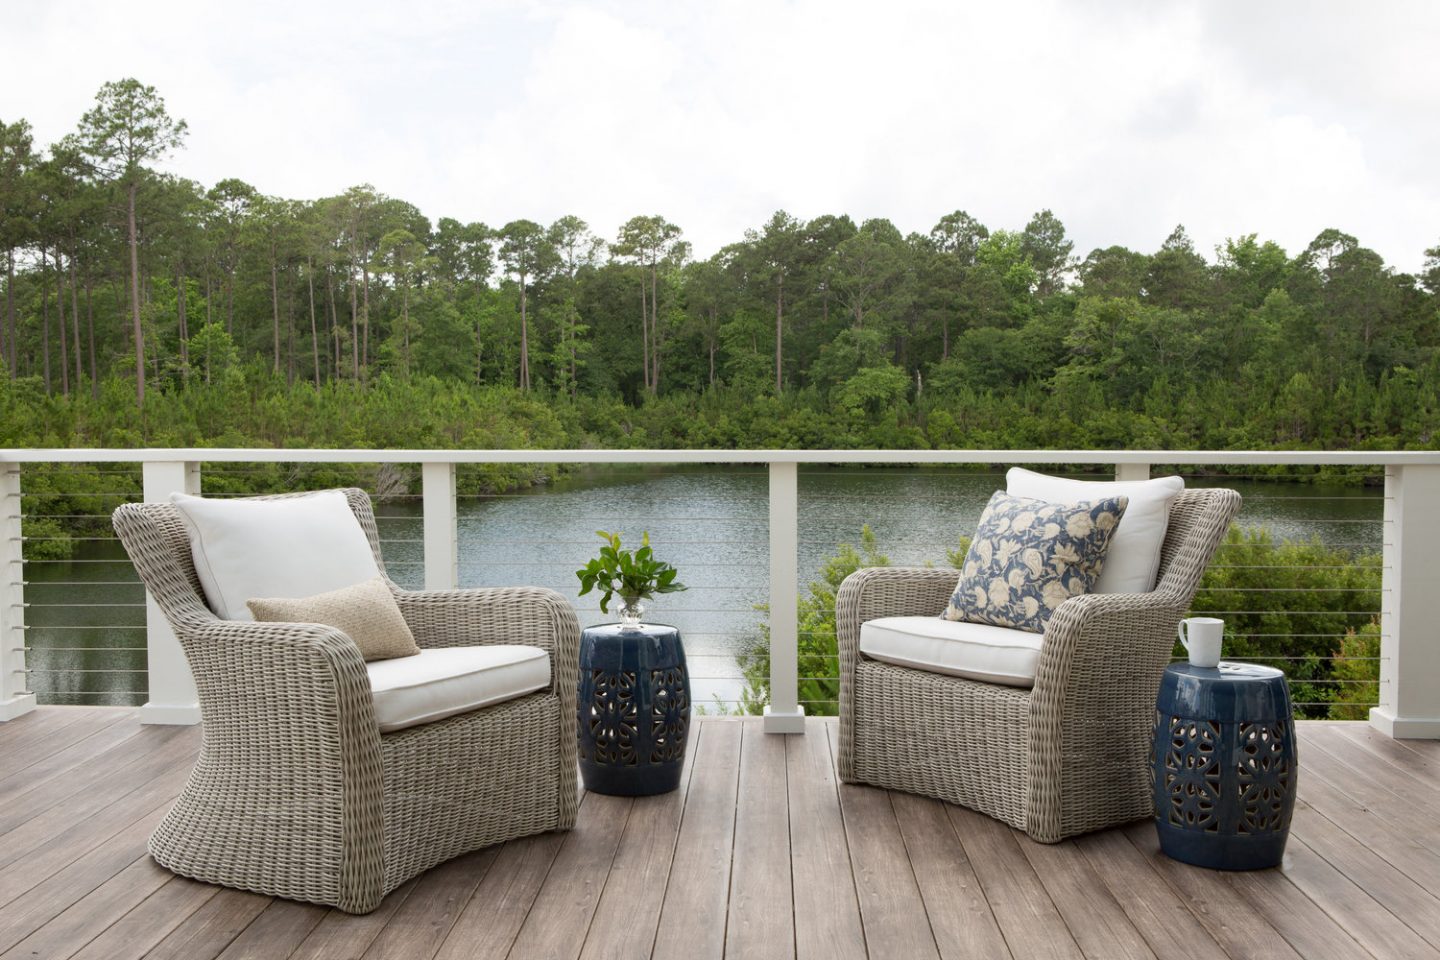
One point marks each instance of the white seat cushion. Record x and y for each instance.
(290, 548)
(1133, 558)
(976, 651)
(442, 682)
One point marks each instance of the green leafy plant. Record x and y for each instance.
(1356, 672)
(818, 650)
(634, 575)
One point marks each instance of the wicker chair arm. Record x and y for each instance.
(292, 745)
(887, 592)
(1095, 684)
(892, 592)
(292, 667)
(527, 615)
(868, 595)
(1108, 632)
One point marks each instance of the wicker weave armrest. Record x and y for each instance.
(1112, 632)
(528, 615)
(868, 595)
(1093, 703)
(886, 592)
(893, 592)
(285, 669)
(291, 760)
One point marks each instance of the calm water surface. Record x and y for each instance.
(87, 615)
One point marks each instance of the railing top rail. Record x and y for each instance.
(1108, 457)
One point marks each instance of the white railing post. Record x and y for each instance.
(1410, 605)
(1132, 471)
(172, 687)
(15, 695)
(784, 714)
(442, 535)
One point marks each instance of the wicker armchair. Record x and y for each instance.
(296, 793)
(1067, 756)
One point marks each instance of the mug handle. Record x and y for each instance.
(1183, 634)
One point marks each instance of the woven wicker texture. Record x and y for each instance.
(366, 613)
(296, 794)
(1065, 757)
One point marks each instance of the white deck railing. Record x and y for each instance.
(1410, 608)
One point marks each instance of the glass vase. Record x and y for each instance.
(630, 611)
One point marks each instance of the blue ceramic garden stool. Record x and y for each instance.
(1224, 765)
(634, 709)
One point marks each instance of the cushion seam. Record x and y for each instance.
(973, 643)
(936, 668)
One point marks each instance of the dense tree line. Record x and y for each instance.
(858, 333)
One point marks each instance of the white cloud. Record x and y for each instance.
(1280, 119)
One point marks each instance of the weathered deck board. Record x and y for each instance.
(103, 907)
(75, 882)
(761, 853)
(421, 923)
(1408, 760)
(1026, 914)
(211, 928)
(960, 916)
(1398, 847)
(24, 730)
(276, 932)
(1372, 926)
(22, 757)
(487, 927)
(1163, 919)
(46, 843)
(1219, 907)
(1095, 920)
(641, 867)
(896, 924)
(344, 935)
(35, 788)
(761, 920)
(1319, 768)
(1410, 793)
(827, 913)
(140, 930)
(1411, 903)
(561, 915)
(692, 918)
(1305, 926)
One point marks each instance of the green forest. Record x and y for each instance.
(143, 307)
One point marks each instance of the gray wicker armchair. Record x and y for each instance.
(1067, 756)
(296, 793)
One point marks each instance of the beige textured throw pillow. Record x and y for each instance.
(367, 612)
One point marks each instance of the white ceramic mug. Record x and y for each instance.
(1201, 637)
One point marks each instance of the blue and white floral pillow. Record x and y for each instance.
(1030, 556)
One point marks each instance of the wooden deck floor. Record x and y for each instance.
(760, 854)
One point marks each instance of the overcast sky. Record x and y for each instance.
(1232, 117)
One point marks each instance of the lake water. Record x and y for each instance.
(86, 615)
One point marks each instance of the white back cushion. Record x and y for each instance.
(289, 548)
(1133, 558)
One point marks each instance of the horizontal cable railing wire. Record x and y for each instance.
(84, 607)
(722, 553)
